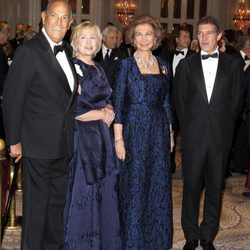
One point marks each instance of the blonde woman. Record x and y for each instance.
(91, 213)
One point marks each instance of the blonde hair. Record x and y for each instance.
(77, 31)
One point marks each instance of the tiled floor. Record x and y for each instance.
(234, 233)
(234, 230)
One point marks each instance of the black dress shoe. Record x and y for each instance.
(207, 245)
(247, 194)
(190, 245)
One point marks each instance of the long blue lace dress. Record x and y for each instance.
(141, 103)
(91, 211)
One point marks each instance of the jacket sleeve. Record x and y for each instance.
(15, 91)
(238, 90)
(180, 89)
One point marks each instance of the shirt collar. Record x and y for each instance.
(215, 51)
(243, 54)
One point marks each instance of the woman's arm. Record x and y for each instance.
(105, 114)
(92, 115)
(119, 143)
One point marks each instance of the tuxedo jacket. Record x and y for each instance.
(200, 119)
(112, 66)
(240, 59)
(247, 104)
(38, 104)
(171, 58)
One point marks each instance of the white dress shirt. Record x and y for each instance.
(243, 54)
(63, 61)
(104, 51)
(177, 58)
(209, 67)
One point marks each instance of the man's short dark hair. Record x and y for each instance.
(183, 27)
(243, 41)
(210, 20)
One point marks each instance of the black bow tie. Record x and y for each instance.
(177, 52)
(246, 58)
(214, 55)
(59, 48)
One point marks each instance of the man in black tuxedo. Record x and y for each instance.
(18, 40)
(109, 55)
(207, 94)
(182, 38)
(247, 113)
(4, 35)
(38, 111)
(241, 150)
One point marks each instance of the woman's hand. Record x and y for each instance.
(109, 115)
(120, 149)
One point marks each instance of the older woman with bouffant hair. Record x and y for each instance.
(91, 211)
(77, 32)
(143, 141)
(158, 30)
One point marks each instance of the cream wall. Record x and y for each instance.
(103, 11)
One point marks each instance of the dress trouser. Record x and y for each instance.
(44, 187)
(205, 168)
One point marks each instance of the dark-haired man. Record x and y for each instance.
(182, 39)
(241, 150)
(38, 111)
(207, 94)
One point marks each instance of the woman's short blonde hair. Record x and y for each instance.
(78, 30)
(146, 19)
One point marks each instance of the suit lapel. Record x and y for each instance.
(56, 67)
(222, 67)
(54, 64)
(196, 67)
(73, 94)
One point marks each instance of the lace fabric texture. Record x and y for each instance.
(142, 106)
(91, 211)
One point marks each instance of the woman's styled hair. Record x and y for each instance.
(78, 30)
(146, 19)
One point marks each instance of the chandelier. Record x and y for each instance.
(125, 11)
(242, 16)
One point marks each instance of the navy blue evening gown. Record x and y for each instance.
(141, 103)
(91, 211)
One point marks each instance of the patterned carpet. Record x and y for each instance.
(234, 230)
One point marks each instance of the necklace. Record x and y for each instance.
(142, 62)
